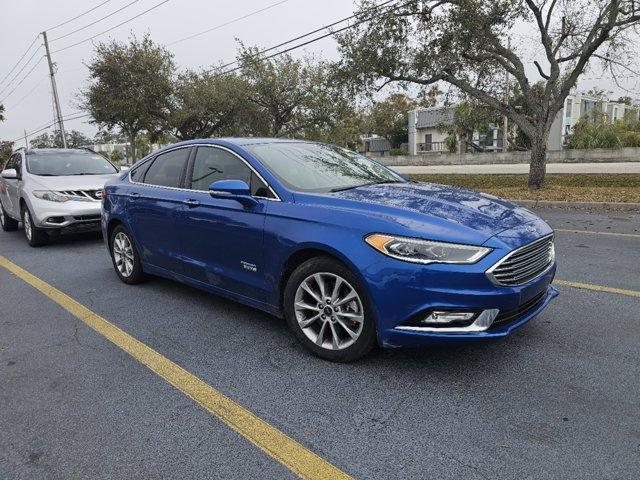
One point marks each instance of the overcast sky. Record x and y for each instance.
(30, 107)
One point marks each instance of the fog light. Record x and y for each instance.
(55, 220)
(442, 317)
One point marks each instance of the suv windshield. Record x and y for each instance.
(315, 167)
(57, 164)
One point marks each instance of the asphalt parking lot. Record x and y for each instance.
(560, 398)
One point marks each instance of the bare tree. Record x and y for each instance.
(465, 43)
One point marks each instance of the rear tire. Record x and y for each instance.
(8, 224)
(36, 237)
(125, 256)
(328, 311)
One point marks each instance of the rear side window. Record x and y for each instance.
(212, 164)
(167, 169)
(137, 174)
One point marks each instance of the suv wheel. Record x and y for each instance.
(124, 254)
(35, 236)
(8, 224)
(328, 311)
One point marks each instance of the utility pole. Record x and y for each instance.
(54, 89)
(505, 124)
(26, 142)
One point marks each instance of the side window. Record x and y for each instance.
(10, 163)
(259, 188)
(166, 170)
(137, 174)
(18, 164)
(212, 164)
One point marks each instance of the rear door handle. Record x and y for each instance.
(134, 195)
(191, 203)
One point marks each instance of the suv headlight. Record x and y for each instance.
(50, 196)
(417, 250)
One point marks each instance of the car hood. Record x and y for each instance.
(482, 213)
(72, 182)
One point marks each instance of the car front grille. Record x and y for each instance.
(524, 264)
(83, 194)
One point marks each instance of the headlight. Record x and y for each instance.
(424, 251)
(50, 196)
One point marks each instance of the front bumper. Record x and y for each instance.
(68, 215)
(398, 337)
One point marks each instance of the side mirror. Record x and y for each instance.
(237, 190)
(10, 174)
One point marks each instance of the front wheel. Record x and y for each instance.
(124, 254)
(7, 223)
(328, 311)
(36, 237)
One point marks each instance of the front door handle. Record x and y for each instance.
(191, 203)
(134, 195)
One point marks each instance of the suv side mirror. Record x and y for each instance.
(10, 174)
(237, 190)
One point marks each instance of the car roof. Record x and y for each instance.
(241, 141)
(58, 150)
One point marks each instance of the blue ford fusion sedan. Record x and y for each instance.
(349, 252)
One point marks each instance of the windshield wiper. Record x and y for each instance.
(342, 189)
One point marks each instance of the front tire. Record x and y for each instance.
(36, 237)
(7, 223)
(328, 311)
(125, 256)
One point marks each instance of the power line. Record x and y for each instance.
(313, 40)
(20, 59)
(112, 28)
(78, 16)
(94, 22)
(300, 37)
(27, 94)
(23, 79)
(227, 23)
(51, 124)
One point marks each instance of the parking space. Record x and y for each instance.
(557, 399)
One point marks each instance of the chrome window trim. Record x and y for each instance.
(490, 271)
(276, 199)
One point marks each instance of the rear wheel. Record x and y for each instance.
(124, 254)
(7, 223)
(328, 311)
(35, 236)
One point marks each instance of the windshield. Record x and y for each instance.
(314, 167)
(57, 164)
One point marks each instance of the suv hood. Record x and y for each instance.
(72, 182)
(482, 213)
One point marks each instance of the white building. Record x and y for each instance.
(577, 106)
(426, 135)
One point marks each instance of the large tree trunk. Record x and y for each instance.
(538, 166)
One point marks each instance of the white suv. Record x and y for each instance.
(53, 190)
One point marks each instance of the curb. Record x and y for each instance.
(593, 206)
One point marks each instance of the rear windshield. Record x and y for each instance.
(58, 164)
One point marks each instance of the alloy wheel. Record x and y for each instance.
(329, 311)
(123, 254)
(27, 225)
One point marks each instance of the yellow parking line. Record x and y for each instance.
(294, 456)
(597, 288)
(613, 234)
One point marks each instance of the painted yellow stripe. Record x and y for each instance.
(297, 458)
(597, 288)
(590, 232)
